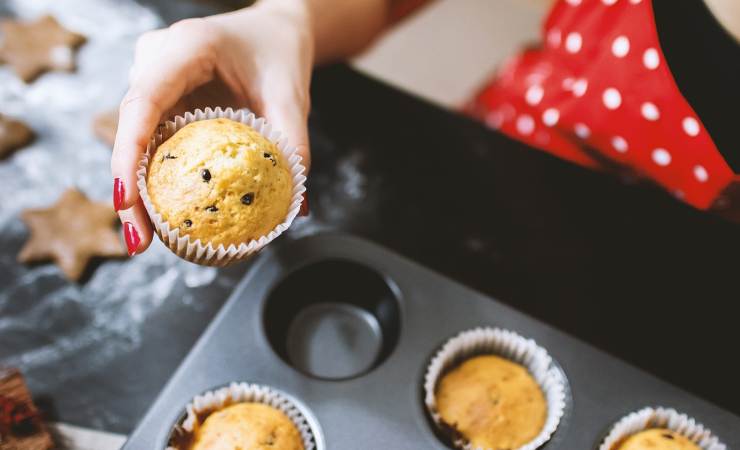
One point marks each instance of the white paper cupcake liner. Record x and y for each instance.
(509, 345)
(669, 418)
(243, 393)
(205, 253)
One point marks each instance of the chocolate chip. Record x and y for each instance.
(668, 436)
(212, 208)
(270, 157)
(206, 175)
(168, 156)
(188, 223)
(247, 199)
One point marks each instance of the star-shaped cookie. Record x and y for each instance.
(33, 48)
(70, 233)
(13, 134)
(105, 125)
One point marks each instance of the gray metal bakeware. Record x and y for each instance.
(347, 328)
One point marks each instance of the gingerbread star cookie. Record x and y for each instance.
(21, 427)
(105, 126)
(13, 135)
(32, 48)
(70, 233)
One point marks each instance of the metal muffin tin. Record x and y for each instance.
(347, 328)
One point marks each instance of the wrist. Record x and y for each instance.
(299, 12)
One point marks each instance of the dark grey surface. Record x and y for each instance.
(383, 409)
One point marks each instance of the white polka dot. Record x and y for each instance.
(612, 98)
(573, 2)
(534, 94)
(580, 87)
(582, 131)
(621, 46)
(609, 2)
(525, 124)
(651, 58)
(691, 126)
(550, 117)
(619, 144)
(701, 173)
(568, 83)
(661, 157)
(554, 37)
(495, 119)
(573, 42)
(650, 111)
(535, 78)
(635, 2)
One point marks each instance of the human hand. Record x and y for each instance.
(260, 58)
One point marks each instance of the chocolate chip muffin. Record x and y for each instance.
(242, 426)
(492, 402)
(220, 181)
(657, 439)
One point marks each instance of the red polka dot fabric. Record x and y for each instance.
(599, 93)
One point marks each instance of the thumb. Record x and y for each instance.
(291, 119)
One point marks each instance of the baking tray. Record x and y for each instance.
(347, 328)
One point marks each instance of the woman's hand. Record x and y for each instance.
(259, 57)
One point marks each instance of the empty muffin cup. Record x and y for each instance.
(333, 319)
(185, 432)
(666, 420)
(175, 235)
(510, 354)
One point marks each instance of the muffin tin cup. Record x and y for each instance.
(242, 393)
(509, 345)
(205, 253)
(659, 417)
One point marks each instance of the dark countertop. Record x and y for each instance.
(622, 266)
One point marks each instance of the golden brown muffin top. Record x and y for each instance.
(220, 181)
(657, 439)
(492, 402)
(253, 426)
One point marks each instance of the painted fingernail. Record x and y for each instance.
(118, 193)
(303, 212)
(132, 238)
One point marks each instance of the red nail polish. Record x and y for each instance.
(303, 212)
(119, 191)
(132, 238)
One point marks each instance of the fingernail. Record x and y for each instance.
(132, 238)
(303, 212)
(118, 193)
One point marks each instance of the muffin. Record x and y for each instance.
(243, 416)
(241, 426)
(660, 428)
(492, 403)
(657, 439)
(220, 181)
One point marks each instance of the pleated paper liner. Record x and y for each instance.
(668, 418)
(209, 402)
(205, 253)
(506, 344)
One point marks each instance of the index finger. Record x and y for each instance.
(181, 67)
(138, 117)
